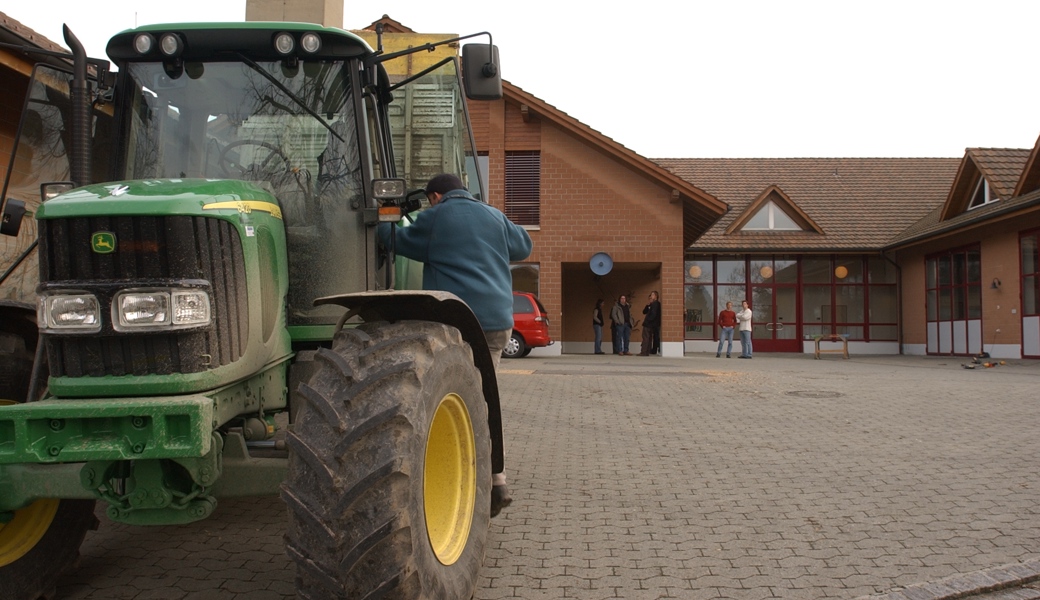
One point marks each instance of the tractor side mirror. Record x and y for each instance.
(481, 74)
(11, 219)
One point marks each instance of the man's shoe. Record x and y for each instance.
(719, 356)
(727, 356)
(500, 499)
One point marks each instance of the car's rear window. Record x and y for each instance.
(522, 305)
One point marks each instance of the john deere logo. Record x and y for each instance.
(103, 242)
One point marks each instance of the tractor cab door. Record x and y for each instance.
(431, 134)
(431, 128)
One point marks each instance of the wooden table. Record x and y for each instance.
(833, 337)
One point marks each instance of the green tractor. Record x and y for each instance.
(194, 305)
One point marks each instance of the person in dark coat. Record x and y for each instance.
(651, 326)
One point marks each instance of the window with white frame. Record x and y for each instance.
(983, 195)
(771, 218)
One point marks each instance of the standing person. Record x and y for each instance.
(744, 318)
(651, 326)
(621, 315)
(597, 326)
(727, 321)
(466, 246)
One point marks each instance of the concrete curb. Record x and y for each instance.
(969, 584)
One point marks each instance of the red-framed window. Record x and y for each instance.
(953, 285)
(855, 295)
(1029, 245)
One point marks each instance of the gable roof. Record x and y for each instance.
(14, 32)
(389, 25)
(931, 226)
(1030, 179)
(777, 196)
(1002, 168)
(860, 204)
(700, 208)
(26, 35)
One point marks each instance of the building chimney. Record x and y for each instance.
(324, 12)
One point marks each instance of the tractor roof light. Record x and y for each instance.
(170, 44)
(284, 43)
(144, 43)
(310, 42)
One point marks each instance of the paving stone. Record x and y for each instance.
(635, 482)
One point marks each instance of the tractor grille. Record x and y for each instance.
(150, 251)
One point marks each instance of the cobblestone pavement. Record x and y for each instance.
(901, 478)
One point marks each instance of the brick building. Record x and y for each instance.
(971, 271)
(804, 243)
(590, 196)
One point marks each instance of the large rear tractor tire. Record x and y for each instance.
(389, 477)
(40, 544)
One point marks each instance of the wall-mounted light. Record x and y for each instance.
(996, 284)
(841, 272)
(766, 272)
(695, 271)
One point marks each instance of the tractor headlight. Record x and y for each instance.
(141, 309)
(310, 42)
(284, 43)
(170, 44)
(144, 43)
(70, 312)
(138, 310)
(388, 189)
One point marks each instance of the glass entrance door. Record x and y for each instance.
(774, 302)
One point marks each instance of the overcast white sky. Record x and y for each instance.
(696, 78)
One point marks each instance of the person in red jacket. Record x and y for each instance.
(727, 322)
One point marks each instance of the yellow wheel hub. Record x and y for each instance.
(450, 479)
(21, 534)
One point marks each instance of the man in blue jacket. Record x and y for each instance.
(466, 246)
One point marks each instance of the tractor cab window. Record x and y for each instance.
(287, 128)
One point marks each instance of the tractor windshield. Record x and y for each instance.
(290, 129)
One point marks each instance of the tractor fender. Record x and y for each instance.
(439, 307)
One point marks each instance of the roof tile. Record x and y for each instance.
(859, 203)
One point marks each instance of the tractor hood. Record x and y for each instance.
(162, 197)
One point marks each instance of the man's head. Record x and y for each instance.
(622, 299)
(442, 184)
(729, 306)
(744, 304)
(653, 296)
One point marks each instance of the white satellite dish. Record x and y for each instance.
(601, 263)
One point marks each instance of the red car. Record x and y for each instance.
(530, 326)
